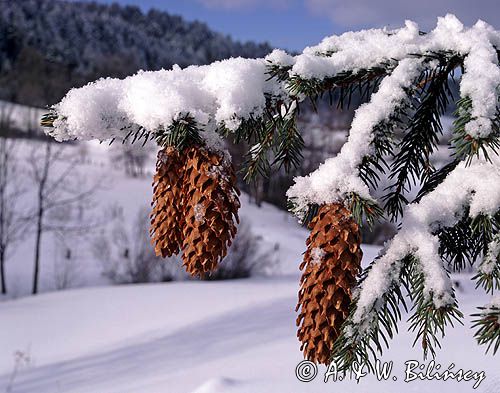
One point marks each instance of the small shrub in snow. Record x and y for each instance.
(245, 257)
(128, 257)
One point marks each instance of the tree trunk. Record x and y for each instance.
(2, 272)
(41, 210)
(37, 250)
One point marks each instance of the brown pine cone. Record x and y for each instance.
(330, 266)
(166, 216)
(210, 210)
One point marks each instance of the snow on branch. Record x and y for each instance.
(224, 92)
(338, 176)
(481, 79)
(241, 95)
(228, 91)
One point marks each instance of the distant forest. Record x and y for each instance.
(49, 46)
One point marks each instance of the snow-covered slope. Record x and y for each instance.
(278, 230)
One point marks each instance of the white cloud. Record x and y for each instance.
(375, 13)
(244, 4)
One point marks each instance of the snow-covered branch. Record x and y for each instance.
(225, 93)
(477, 187)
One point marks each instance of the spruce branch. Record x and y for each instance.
(49, 118)
(289, 142)
(488, 323)
(484, 227)
(304, 215)
(134, 134)
(435, 179)
(274, 139)
(257, 159)
(412, 164)
(427, 320)
(467, 147)
(361, 342)
(364, 210)
(382, 145)
(278, 72)
(182, 133)
(488, 275)
(462, 244)
(458, 245)
(246, 131)
(363, 81)
(364, 341)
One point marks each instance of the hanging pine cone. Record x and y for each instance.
(210, 210)
(166, 216)
(331, 264)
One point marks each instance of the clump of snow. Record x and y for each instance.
(317, 255)
(357, 50)
(481, 80)
(491, 260)
(91, 112)
(281, 58)
(199, 213)
(224, 92)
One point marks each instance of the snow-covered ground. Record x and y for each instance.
(194, 337)
(190, 337)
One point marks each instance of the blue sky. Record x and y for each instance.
(294, 24)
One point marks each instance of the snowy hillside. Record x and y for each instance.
(278, 231)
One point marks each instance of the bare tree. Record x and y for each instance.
(12, 223)
(62, 196)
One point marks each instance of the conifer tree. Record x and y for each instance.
(404, 75)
